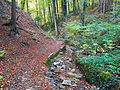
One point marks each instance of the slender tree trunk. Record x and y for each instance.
(92, 4)
(69, 6)
(62, 6)
(49, 9)
(57, 9)
(104, 5)
(65, 15)
(44, 11)
(74, 6)
(99, 6)
(78, 6)
(37, 10)
(36, 7)
(65, 31)
(23, 4)
(50, 16)
(27, 6)
(13, 16)
(82, 12)
(56, 30)
(54, 6)
(59, 3)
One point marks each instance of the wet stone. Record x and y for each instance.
(61, 53)
(64, 67)
(69, 69)
(73, 70)
(74, 85)
(56, 63)
(66, 82)
(52, 69)
(92, 88)
(70, 60)
(74, 75)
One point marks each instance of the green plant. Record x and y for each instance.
(96, 39)
(2, 53)
(116, 9)
(38, 18)
(101, 69)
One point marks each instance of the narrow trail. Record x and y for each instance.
(22, 67)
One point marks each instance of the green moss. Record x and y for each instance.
(34, 37)
(49, 60)
(2, 53)
(104, 74)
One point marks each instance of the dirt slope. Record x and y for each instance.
(25, 42)
(22, 67)
(24, 53)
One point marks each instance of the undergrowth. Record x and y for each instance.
(99, 41)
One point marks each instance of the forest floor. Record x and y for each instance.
(22, 66)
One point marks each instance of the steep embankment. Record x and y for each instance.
(23, 66)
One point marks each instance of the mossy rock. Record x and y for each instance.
(86, 70)
(49, 60)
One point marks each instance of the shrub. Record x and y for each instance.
(96, 39)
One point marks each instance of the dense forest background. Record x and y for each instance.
(51, 13)
(90, 30)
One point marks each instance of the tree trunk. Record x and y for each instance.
(65, 31)
(50, 16)
(92, 4)
(27, 6)
(13, 18)
(44, 11)
(65, 15)
(54, 17)
(104, 5)
(36, 7)
(82, 12)
(23, 4)
(57, 9)
(78, 6)
(69, 6)
(49, 9)
(74, 6)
